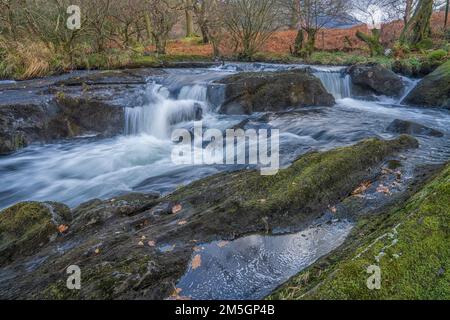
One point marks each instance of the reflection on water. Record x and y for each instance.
(252, 267)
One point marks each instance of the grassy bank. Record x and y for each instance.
(409, 244)
(29, 60)
(36, 59)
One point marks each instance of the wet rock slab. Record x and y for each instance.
(412, 128)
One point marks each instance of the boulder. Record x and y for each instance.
(433, 90)
(368, 79)
(413, 128)
(70, 105)
(63, 117)
(246, 93)
(26, 227)
(20, 124)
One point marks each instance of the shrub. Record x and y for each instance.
(437, 55)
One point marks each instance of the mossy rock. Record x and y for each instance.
(250, 92)
(245, 202)
(28, 226)
(433, 90)
(409, 244)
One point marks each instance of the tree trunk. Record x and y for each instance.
(418, 27)
(148, 26)
(298, 44)
(408, 10)
(189, 21)
(205, 32)
(373, 41)
(160, 44)
(311, 42)
(446, 14)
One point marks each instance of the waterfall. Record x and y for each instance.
(336, 83)
(161, 112)
(196, 92)
(410, 85)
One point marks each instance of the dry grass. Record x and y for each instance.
(25, 60)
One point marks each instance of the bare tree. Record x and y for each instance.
(250, 24)
(163, 16)
(313, 16)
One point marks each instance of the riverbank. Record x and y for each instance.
(35, 60)
(408, 243)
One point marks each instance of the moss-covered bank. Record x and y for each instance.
(410, 244)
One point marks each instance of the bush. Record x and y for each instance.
(425, 44)
(437, 55)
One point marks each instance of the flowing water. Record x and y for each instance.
(140, 160)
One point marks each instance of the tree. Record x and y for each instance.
(250, 24)
(163, 17)
(446, 13)
(373, 41)
(203, 13)
(188, 17)
(418, 28)
(313, 16)
(373, 12)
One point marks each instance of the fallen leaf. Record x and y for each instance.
(151, 243)
(383, 189)
(222, 244)
(176, 292)
(196, 262)
(63, 228)
(362, 188)
(177, 209)
(182, 223)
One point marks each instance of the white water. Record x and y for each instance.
(161, 112)
(336, 83)
(79, 170)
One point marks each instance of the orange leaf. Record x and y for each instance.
(222, 244)
(63, 228)
(196, 262)
(177, 209)
(362, 188)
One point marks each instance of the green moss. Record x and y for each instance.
(101, 280)
(437, 55)
(291, 197)
(23, 228)
(416, 261)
